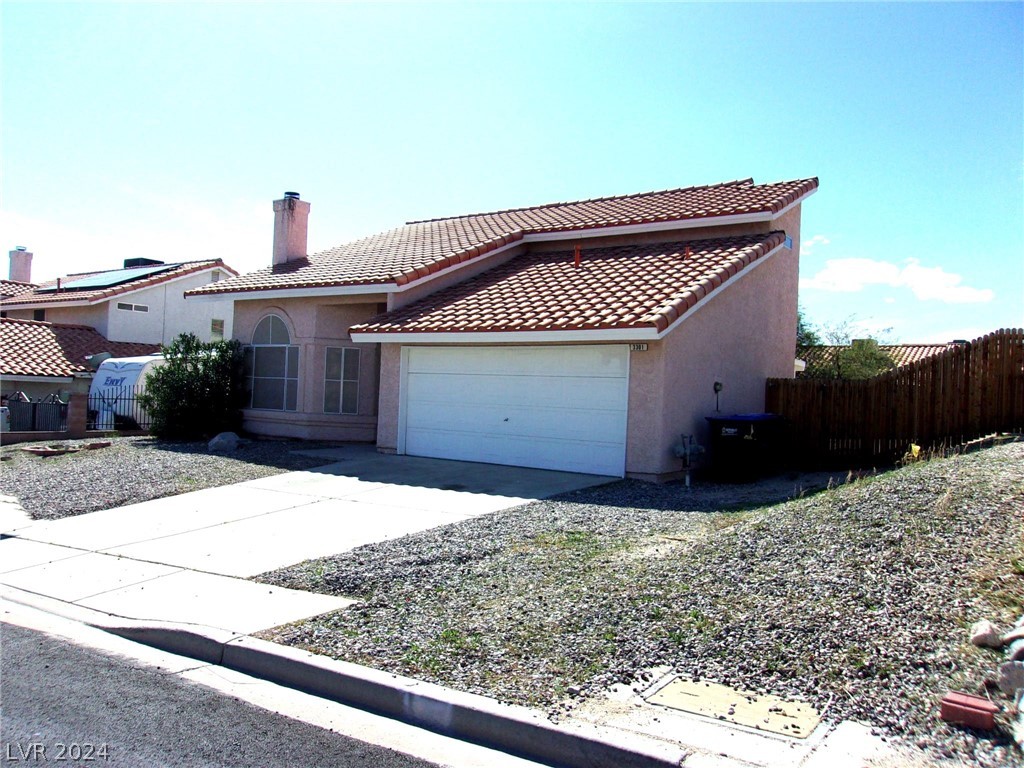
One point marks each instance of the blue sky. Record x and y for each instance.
(166, 130)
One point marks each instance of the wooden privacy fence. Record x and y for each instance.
(969, 391)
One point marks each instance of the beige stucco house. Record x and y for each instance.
(583, 336)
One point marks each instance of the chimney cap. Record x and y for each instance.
(20, 248)
(291, 195)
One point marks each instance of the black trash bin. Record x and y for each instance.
(745, 446)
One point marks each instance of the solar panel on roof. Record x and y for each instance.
(109, 279)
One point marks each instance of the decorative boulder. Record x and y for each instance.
(985, 634)
(225, 442)
(1016, 651)
(1011, 677)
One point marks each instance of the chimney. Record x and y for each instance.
(291, 219)
(21, 265)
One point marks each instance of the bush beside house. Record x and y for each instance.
(199, 392)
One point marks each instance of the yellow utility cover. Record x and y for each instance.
(763, 712)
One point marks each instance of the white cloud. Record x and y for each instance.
(807, 246)
(926, 283)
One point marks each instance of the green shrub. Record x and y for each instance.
(199, 392)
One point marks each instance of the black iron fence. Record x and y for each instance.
(117, 408)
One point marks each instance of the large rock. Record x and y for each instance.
(225, 442)
(1017, 633)
(1016, 651)
(985, 634)
(1011, 677)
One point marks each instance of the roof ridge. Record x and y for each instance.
(749, 181)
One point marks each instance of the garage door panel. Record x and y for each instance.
(519, 361)
(549, 407)
(603, 458)
(578, 424)
(512, 391)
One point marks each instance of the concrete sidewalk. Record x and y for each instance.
(187, 558)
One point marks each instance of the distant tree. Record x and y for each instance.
(198, 392)
(849, 358)
(806, 333)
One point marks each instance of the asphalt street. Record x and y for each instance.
(65, 704)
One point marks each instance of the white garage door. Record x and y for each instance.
(548, 407)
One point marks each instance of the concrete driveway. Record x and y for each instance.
(186, 559)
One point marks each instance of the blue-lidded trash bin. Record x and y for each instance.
(745, 446)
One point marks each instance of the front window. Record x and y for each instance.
(272, 364)
(341, 381)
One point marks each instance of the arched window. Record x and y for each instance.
(273, 366)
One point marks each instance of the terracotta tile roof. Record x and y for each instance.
(634, 286)
(30, 348)
(820, 356)
(9, 288)
(420, 248)
(41, 295)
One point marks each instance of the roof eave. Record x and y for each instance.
(507, 337)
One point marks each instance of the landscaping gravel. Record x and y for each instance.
(857, 599)
(134, 469)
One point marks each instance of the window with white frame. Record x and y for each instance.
(124, 306)
(217, 330)
(341, 381)
(272, 366)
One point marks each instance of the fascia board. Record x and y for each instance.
(295, 293)
(43, 379)
(508, 337)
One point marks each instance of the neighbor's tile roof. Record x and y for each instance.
(30, 348)
(630, 286)
(822, 355)
(175, 271)
(9, 288)
(420, 248)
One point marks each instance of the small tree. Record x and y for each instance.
(198, 392)
(806, 333)
(845, 357)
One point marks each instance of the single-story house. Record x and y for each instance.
(142, 301)
(584, 336)
(43, 359)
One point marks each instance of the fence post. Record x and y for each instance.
(78, 411)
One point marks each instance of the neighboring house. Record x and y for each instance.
(582, 336)
(141, 302)
(822, 357)
(42, 359)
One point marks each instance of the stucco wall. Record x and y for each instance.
(745, 334)
(169, 315)
(314, 325)
(94, 316)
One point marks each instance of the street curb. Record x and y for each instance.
(465, 716)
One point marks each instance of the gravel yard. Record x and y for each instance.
(856, 599)
(135, 469)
